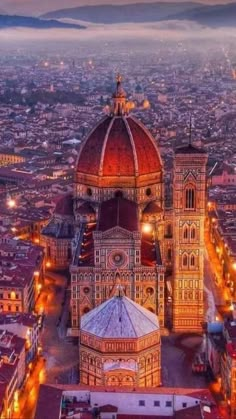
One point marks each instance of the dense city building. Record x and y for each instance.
(101, 402)
(22, 273)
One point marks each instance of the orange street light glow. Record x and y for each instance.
(11, 203)
(147, 228)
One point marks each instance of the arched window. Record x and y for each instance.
(169, 254)
(186, 232)
(190, 197)
(193, 233)
(192, 260)
(169, 230)
(149, 291)
(185, 260)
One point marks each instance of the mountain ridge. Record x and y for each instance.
(12, 21)
(126, 13)
(213, 16)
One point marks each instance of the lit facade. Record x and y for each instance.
(189, 223)
(119, 213)
(22, 274)
(123, 235)
(120, 345)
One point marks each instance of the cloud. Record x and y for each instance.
(172, 30)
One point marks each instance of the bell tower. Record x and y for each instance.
(189, 218)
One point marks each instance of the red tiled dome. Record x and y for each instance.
(119, 146)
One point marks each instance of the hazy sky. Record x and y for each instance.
(39, 6)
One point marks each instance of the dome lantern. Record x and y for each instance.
(119, 98)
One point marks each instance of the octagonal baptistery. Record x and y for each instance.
(120, 345)
(119, 154)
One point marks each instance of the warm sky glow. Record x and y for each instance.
(36, 6)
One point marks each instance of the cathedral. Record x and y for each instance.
(115, 231)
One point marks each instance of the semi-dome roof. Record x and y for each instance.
(119, 145)
(64, 205)
(119, 317)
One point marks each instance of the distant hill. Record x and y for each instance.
(214, 16)
(136, 13)
(7, 21)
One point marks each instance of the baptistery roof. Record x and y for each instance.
(119, 317)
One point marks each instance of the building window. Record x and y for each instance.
(86, 290)
(190, 198)
(1, 295)
(169, 230)
(184, 404)
(168, 404)
(157, 403)
(148, 191)
(193, 233)
(17, 308)
(149, 291)
(141, 402)
(192, 260)
(8, 295)
(9, 308)
(185, 232)
(185, 260)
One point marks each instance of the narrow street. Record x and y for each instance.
(214, 281)
(59, 360)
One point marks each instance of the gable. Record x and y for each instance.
(117, 233)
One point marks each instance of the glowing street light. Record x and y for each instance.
(146, 228)
(11, 203)
(234, 266)
(39, 287)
